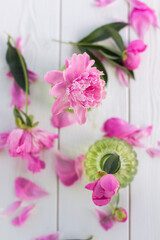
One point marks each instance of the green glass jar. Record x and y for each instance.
(96, 158)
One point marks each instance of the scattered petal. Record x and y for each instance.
(103, 3)
(23, 216)
(3, 139)
(106, 221)
(54, 236)
(122, 78)
(27, 190)
(12, 208)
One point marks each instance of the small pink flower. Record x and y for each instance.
(103, 189)
(78, 87)
(68, 170)
(17, 93)
(27, 144)
(116, 127)
(54, 236)
(131, 57)
(120, 215)
(141, 17)
(106, 221)
(103, 3)
(122, 78)
(64, 119)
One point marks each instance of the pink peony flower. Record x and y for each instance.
(141, 17)
(122, 78)
(17, 93)
(106, 221)
(68, 170)
(131, 57)
(103, 189)
(64, 119)
(116, 127)
(103, 3)
(27, 144)
(79, 87)
(120, 215)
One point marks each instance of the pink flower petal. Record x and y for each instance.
(81, 114)
(27, 190)
(64, 119)
(18, 44)
(91, 186)
(110, 184)
(65, 169)
(153, 152)
(122, 77)
(3, 139)
(58, 90)
(54, 236)
(122, 210)
(106, 221)
(33, 77)
(54, 77)
(137, 46)
(103, 3)
(12, 208)
(35, 165)
(60, 105)
(23, 216)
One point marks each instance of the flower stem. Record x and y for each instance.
(113, 208)
(90, 238)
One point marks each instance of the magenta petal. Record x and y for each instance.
(12, 208)
(54, 236)
(106, 221)
(81, 114)
(137, 45)
(3, 139)
(64, 119)
(65, 169)
(54, 77)
(91, 186)
(33, 77)
(58, 90)
(18, 44)
(122, 77)
(23, 216)
(100, 201)
(60, 105)
(153, 152)
(35, 165)
(9, 74)
(103, 3)
(27, 190)
(110, 184)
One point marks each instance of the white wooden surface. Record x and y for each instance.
(70, 210)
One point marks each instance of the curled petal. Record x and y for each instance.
(110, 184)
(54, 77)
(66, 169)
(91, 186)
(27, 190)
(64, 119)
(81, 114)
(33, 77)
(54, 236)
(122, 77)
(23, 216)
(60, 105)
(35, 165)
(106, 221)
(137, 46)
(12, 208)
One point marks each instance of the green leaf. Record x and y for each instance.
(117, 38)
(28, 120)
(103, 32)
(17, 114)
(112, 164)
(15, 65)
(98, 63)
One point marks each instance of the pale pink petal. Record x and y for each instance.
(3, 139)
(153, 152)
(23, 216)
(64, 119)
(54, 236)
(18, 96)
(116, 127)
(65, 169)
(60, 105)
(81, 114)
(106, 221)
(27, 190)
(58, 90)
(11, 208)
(79, 165)
(54, 77)
(9, 74)
(103, 3)
(110, 184)
(33, 77)
(35, 165)
(122, 77)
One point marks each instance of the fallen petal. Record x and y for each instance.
(12, 208)
(106, 221)
(63, 119)
(103, 3)
(54, 236)
(122, 77)
(23, 216)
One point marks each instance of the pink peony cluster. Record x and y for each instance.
(79, 87)
(103, 189)
(28, 144)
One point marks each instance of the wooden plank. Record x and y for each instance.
(37, 22)
(77, 217)
(145, 110)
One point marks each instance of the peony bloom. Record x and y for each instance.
(68, 170)
(141, 17)
(28, 144)
(78, 87)
(17, 93)
(103, 189)
(116, 127)
(131, 57)
(106, 221)
(120, 215)
(103, 3)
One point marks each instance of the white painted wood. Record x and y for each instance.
(77, 217)
(37, 22)
(145, 110)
